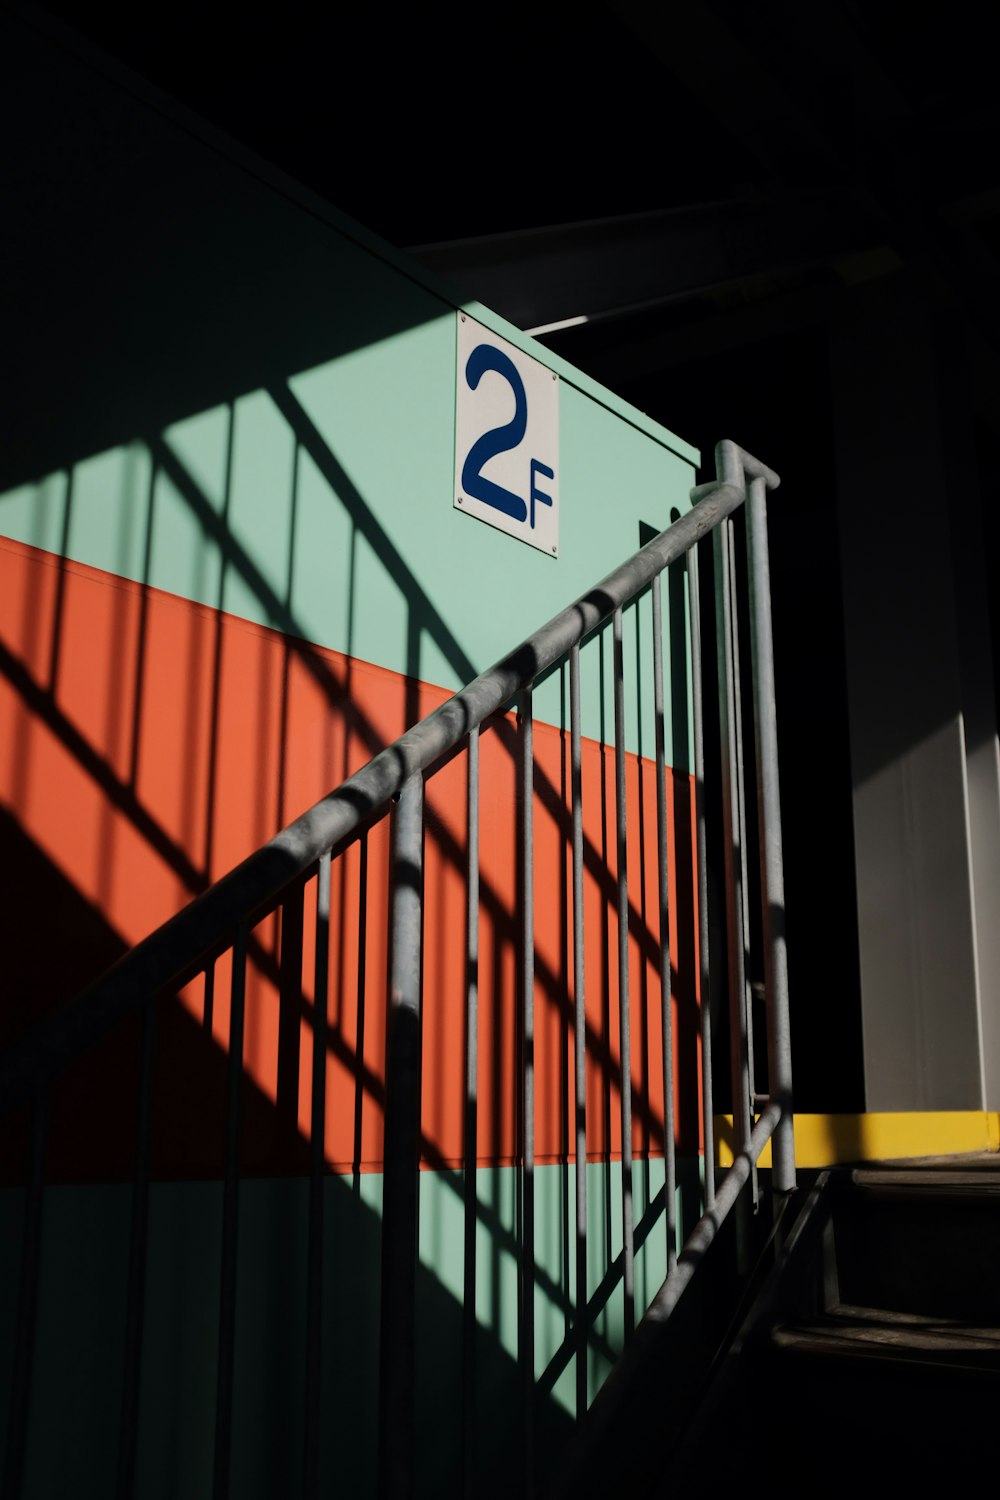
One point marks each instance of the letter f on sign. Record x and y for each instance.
(535, 493)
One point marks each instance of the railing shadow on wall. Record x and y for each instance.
(148, 746)
(179, 852)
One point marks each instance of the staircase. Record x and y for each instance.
(847, 1326)
(871, 1355)
(276, 926)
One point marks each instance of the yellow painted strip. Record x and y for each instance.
(830, 1140)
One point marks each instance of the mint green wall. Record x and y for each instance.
(323, 505)
(365, 555)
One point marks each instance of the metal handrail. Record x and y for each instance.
(177, 950)
(222, 917)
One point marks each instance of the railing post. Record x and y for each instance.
(733, 821)
(772, 879)
(471, 1120)
(624, 1028)
(136, 1296)
(400, 1183)
(580, 1036)
(27, 1305)
(230, 1222)
(666, 997)
(526, 862)
(317, 1169)
(705, 992)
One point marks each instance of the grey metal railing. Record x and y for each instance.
(273, 878)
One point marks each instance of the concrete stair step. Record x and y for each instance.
(921, 1238)
(930, 1181)
(851, 1333)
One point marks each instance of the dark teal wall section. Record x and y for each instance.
(84, 1265)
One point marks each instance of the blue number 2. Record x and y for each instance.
(498, 439)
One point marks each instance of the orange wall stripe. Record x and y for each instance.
(150, 743)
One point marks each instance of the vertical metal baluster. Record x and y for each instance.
(286, 1104)
(361, 990)
(471, 1121)
(208, 1012)
(400, 1183)
(136, 1296)
(708, 1122)
(527, 851)
(317, 1162)
(580, 1040)
(746, 1007)
(732, 824)
(772, 879)
(666, 1007)
(230, 1222)
(27, 1305)
(624, 1040)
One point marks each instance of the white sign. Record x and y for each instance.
(506, 438)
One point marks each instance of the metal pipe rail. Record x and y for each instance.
(274, 876)
(177, 951)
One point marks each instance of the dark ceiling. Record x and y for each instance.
(717, 171)
(418, 131)
(427, 134)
